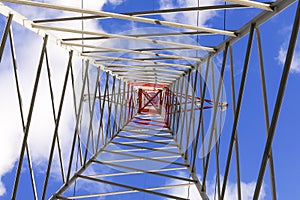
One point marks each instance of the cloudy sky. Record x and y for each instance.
(275, 36)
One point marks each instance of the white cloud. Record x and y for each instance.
(295, 66)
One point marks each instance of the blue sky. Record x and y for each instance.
(275, 36)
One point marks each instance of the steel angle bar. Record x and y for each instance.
(122, 105)
(215, 134)
(114, 96)
(266, 112)
(152, 159)
(163, 42)
(147, 80)
(165, 135)
(175, 107)
(54, 115)
(165, 141)
(147, 76)
(179, 107)
(55, 135)
(259, 19)
(102, 108)
(219, 88)
(111, 49)
(138, 159)
(127, 191)
(137, 61)
(29, 117)
(142, 49)
(139, 70)
(147, 129)
(191, 115)
(158, 74)
(123, 68)
(184, 118)
(14, 61)
(75, 135)
(109, 106)
(72, 179)
(203, 92)
(137, 172)
(5, 34)
(120, 16)
(254, 4)
(143, 171)
(194, 177)
(90, 131)
(152, 12)
(143, 148)
(116, 106)
(131, 187)
(92, 110)
(237, 157)
(76, 113)
(279, 98)
(238, 108)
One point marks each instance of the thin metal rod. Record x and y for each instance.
(29, 117)
(238, 108)
(266, 112)
(5, 34)
(280, 94)
(55, 135)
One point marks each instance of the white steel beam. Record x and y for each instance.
(149, 53)
(102, 34)
(140, 61)
(253, 4)
(120, 16)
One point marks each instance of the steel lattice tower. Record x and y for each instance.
(146, 125)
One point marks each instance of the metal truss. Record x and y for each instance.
(136, 107)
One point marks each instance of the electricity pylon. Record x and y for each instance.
(137, 130)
